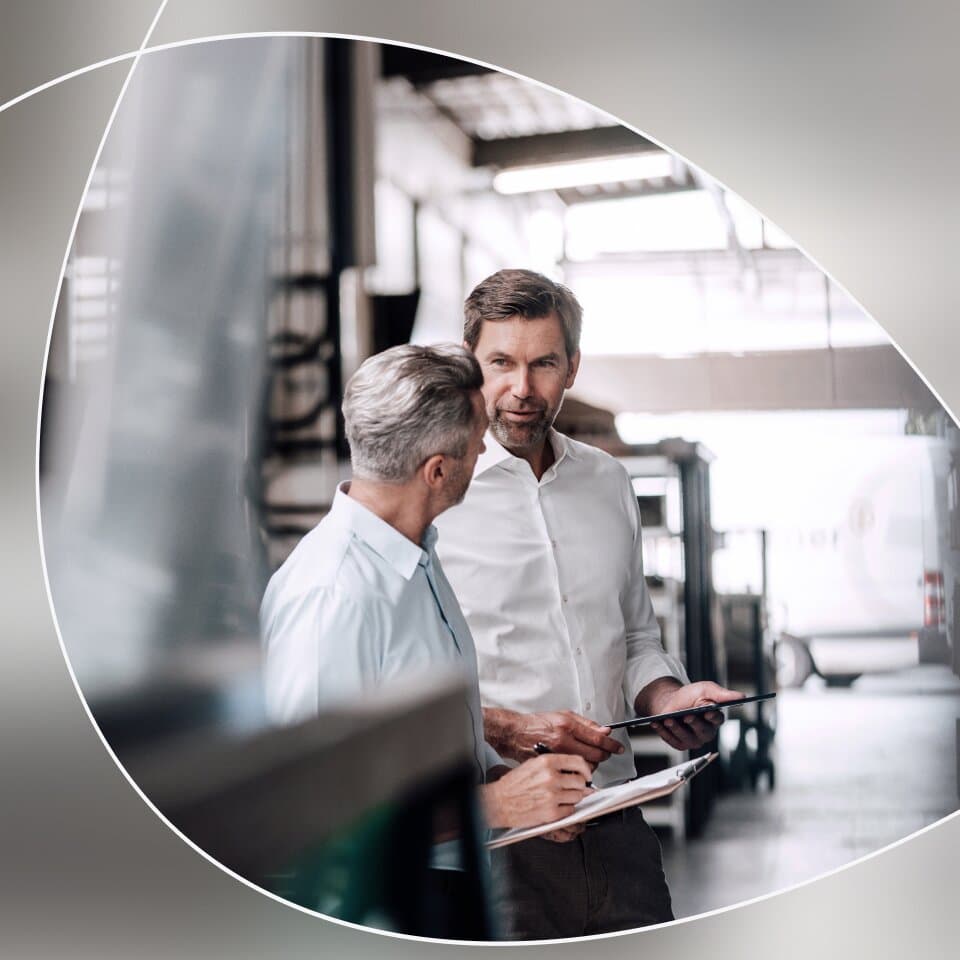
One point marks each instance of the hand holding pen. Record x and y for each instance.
(541, 748)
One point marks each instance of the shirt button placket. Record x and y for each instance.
(579, 663)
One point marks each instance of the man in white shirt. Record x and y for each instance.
(545, 557)
(362, 599)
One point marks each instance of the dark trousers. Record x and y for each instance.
(609, 878)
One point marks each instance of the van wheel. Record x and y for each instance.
(794, 663)
(840, 679)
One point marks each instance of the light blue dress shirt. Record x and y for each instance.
(355, 606)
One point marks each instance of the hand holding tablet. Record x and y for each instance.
(691, 711)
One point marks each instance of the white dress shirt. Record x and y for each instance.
(356, 605)
(549, 575)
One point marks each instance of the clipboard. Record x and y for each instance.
(611, 799)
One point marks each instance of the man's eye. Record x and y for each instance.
(498, 362)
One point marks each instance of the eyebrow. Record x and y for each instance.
(499, 354)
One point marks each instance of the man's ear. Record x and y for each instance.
(434, 471)
(573, 365)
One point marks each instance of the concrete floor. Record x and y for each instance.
(857, 769)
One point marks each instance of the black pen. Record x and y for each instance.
(541, 748)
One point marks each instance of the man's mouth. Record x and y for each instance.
(521, 416)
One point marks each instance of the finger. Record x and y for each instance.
(600, 741)
(668, 736)
(568, 799)
(569, 763)
(684, 733)
(702, 731)
(572, 781)
(562, 781)
(589, 753)
(713, 693)
(592, 733)
(577, 731)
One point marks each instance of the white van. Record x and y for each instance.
(862, 567)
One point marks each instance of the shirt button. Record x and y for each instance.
(587, 705)
(553, 543)
(579, 651)
(564, 598)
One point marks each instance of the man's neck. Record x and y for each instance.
(540, 458)
(396, 504)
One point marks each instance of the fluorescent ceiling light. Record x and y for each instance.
(581, 173)
(687, 220)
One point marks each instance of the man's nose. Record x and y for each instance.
(521, 382)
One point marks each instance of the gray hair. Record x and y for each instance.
(405, 405)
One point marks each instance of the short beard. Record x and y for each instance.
(520, 436)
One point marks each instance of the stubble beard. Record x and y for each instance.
(520, 436)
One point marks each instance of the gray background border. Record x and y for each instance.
(837, 120)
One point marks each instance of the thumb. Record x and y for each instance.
(713, 691)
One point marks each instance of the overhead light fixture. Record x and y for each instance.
(582, 173)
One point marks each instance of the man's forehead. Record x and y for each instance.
(544, 333)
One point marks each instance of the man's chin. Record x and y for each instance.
(519, 436)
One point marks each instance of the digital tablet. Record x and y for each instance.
(692, 712)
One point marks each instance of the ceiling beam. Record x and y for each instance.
(624, 191)
(851, 378)
(506, 152)
(421, 67)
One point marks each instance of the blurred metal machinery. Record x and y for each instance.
(324, 231)
(221, 272)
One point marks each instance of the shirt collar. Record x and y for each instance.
(495, 453)
(386, 541)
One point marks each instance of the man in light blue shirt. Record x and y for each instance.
(358, 581)
(362, 599)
